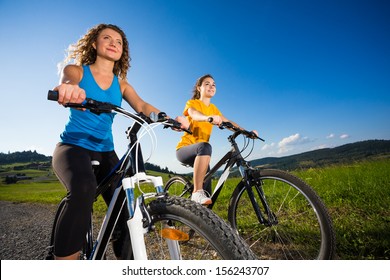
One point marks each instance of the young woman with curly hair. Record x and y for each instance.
(99, 69)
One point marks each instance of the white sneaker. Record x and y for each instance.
(201, 197)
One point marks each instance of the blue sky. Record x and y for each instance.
(305, 74)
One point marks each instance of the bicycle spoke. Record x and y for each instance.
(299, 231)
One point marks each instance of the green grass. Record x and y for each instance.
(357, 196)
(49, 193)
(358, 200)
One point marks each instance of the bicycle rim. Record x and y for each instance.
(303, 230)
(178, 186)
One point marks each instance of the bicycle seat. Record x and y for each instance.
(95, 166)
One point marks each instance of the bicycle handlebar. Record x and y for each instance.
(237, 130)
(98, 107)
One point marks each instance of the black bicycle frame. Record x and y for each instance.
(229, 160)
(119, 197)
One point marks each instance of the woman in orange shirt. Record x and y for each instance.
(194, 149)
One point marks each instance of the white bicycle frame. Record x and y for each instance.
(135, 222)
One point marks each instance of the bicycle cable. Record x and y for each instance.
(147, 129)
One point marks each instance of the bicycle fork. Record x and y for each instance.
(249, 177)
(139, 215)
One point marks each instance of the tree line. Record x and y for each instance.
(22, 157)
(34, 157)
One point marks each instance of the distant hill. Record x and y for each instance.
(34, 157)
(343, 154)
(23, 157)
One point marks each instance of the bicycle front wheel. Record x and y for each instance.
(303, 229)
(199, 233)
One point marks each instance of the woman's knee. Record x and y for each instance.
(204, 149)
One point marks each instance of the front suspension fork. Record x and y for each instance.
(139, 216)
(257, 184)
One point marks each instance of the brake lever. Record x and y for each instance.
(97, 107)
(227, 125)
(249, 134)
(253, 135)
(176, 125)
(93, 106)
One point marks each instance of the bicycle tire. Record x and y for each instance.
(304, 229)
(87, 247)
(179, 186)
(210, 236)
(50, 248)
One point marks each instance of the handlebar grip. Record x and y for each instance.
(52, 95)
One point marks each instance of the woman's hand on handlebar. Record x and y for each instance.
(183, 121)
(215, 119)
(255, 134)
(180, 123)
(68, 93)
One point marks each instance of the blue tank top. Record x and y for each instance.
(86, 129)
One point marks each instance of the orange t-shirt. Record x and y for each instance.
(201, 131)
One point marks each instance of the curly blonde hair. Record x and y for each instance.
(195, 91)
(83, 53)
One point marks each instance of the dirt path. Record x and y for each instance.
(25, 230)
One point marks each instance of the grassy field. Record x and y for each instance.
(357, 196)
(358, 199)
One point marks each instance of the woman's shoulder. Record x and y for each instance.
(74, 71)
(193, 101)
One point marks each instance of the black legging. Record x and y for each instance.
(72, 165)
(187, 155)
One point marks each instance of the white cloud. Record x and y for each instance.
(291, 140)
(342, 136)
(286, 144)
(268, 147)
